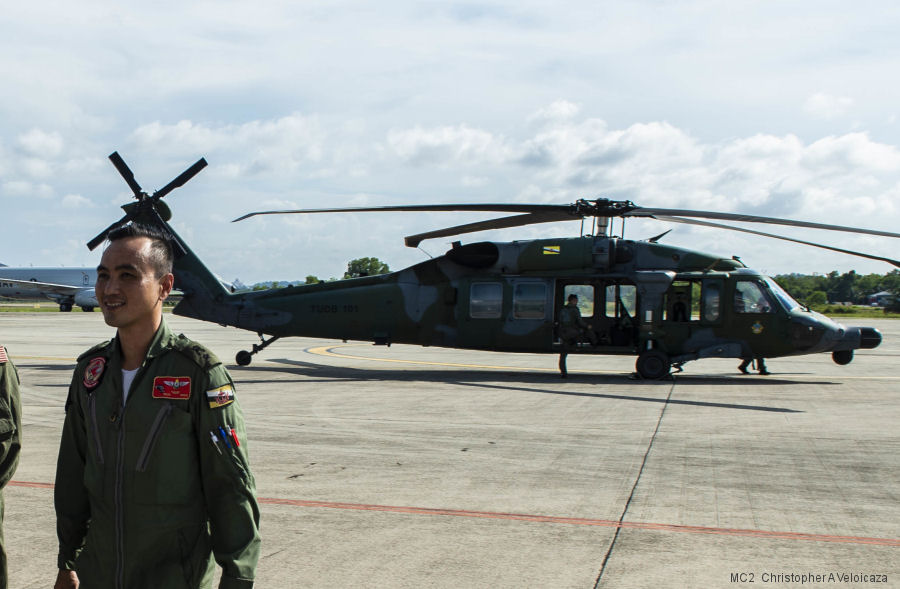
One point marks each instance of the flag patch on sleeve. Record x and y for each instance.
(221, 396)
(172, 387)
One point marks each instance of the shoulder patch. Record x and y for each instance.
(197, 353)
(94, 372)
(101, 347)
(3, 358)
(221, 396)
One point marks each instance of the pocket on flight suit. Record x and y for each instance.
(166, 471)
(7, 427)
(195, 554)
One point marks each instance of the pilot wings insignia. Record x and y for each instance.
(172, 387)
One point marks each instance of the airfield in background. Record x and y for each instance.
(425, 467)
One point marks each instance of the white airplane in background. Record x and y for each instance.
(67, 287)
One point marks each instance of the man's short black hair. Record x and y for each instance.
(161, 251)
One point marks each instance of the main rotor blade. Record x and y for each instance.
(499, 208)
(501, 223)
(181, 179)
(658, 213)
(126, 173)
(773, 236)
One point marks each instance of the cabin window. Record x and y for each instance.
(530, 301)
(485, 300)
(585, 294)
(694, 300)
(712, 301)
(621, 300)
(682, 303)
(750, 298)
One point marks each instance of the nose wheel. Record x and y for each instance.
(243, 358)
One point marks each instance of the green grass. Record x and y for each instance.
(842, 312)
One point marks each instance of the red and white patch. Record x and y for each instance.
(3, 357)
(172, 387)
(93, 372)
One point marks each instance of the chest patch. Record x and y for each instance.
(172, 387)
(220, 397)
(93, 372)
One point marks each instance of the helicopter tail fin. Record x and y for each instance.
(204, 296)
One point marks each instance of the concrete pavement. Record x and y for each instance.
(424, 467)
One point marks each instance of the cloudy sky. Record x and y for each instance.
(781, 108)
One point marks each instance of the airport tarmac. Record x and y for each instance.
(422, 467)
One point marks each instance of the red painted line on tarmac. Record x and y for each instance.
(557, 520)
(32, 485)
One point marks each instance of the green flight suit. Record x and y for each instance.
(144, 497)
(10, 439)
(571, 325)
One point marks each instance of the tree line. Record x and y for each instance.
(849, 287)
(355, 269)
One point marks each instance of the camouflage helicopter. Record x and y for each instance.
(666, 305)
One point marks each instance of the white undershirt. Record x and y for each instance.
(127, 379)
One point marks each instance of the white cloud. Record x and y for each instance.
(826, 106)
(448, 145)
(302, 103)
(561, 110)
(41, 144)
(26, 189)
(76, 201)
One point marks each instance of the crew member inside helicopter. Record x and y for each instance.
(572, 330)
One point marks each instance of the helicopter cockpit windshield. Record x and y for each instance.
(783, 297)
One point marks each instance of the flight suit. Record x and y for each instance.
(147, 492)
(570, 324)
(10, 439)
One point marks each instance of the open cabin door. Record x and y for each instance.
(692, 310)
(609, 305)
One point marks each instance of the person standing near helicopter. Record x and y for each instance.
(152, 479)
(572, 329)
(10, 439)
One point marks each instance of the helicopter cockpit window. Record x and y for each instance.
(585, 294)
(749, 297)
(486, 300)
(530, 301)
(783, 297)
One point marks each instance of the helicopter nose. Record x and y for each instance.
(869, 337)
(855, 338)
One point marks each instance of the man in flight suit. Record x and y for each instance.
(10, 439)
(572, 328)
(152, 478)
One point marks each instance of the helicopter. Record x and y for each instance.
(666, 305)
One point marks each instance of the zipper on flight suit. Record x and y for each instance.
(155, 431)
(120, 502)
(119, 421)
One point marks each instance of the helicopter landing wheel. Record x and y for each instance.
(653, 365)
(842, 357)
(244, 357)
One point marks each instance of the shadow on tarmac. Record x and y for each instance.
(517, 381)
